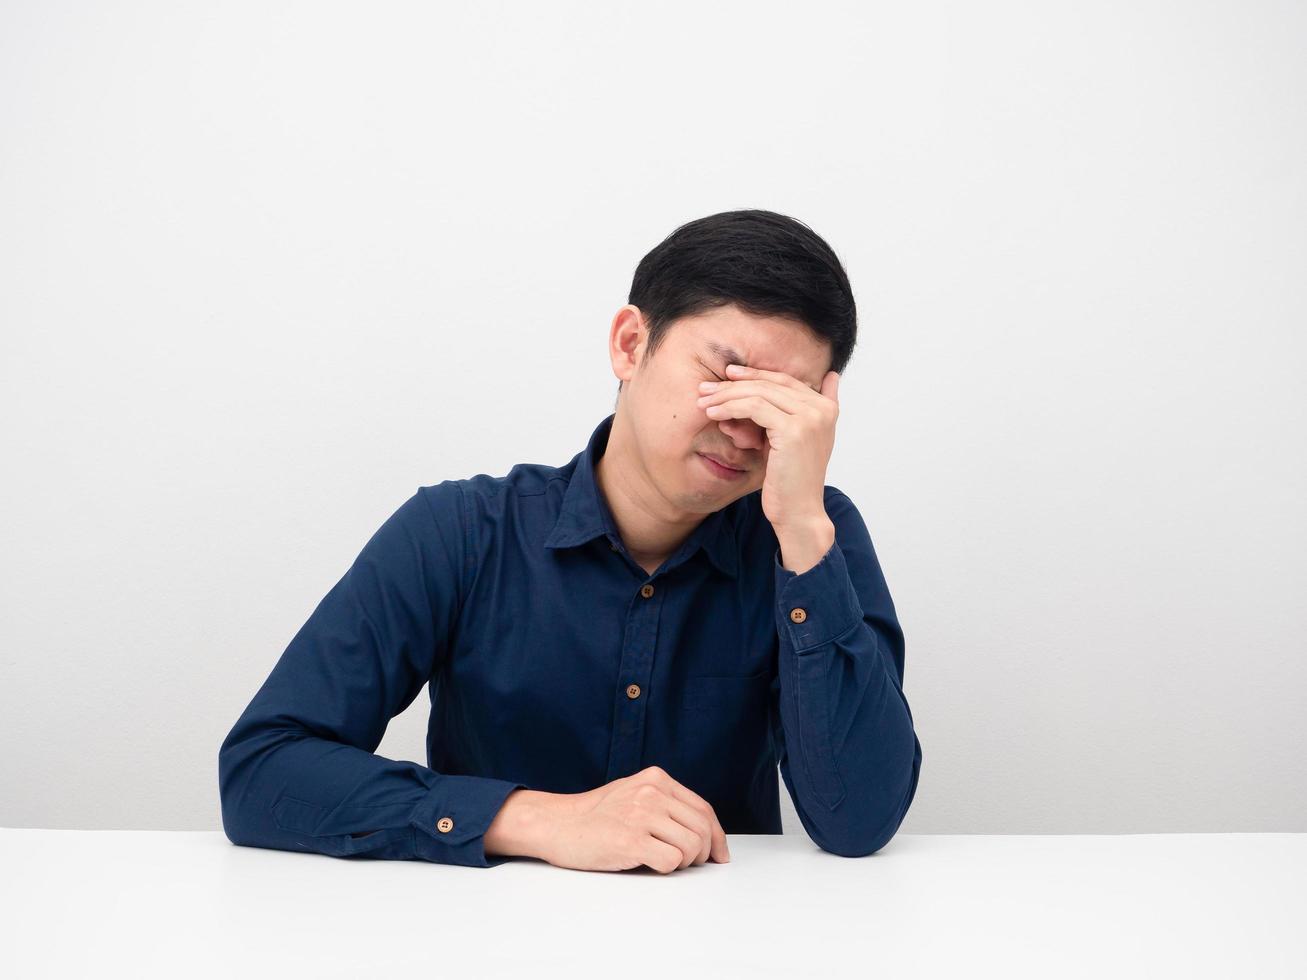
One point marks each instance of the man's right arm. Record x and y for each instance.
(298, 770)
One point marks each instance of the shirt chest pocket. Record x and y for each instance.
(727, 694)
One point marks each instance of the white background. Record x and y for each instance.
(267, 268)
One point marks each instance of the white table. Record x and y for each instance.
(170, 904)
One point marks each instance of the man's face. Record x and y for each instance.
(660, 396)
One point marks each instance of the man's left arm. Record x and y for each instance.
(848, 750)
(838, 694)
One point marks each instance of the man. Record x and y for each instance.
(623, 650)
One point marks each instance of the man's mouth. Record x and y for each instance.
(720, 462)
(718, 459)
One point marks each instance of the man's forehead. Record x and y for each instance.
(730, 355)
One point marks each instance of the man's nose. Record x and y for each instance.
(745, 433)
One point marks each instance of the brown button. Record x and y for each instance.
(633, 691)
(444, 825)
(646, 590)
(798, 615)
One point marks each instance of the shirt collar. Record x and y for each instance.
(584, 514)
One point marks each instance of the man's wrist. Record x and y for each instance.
(803, 546)
(523, 823)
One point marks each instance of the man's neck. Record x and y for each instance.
(650, 531)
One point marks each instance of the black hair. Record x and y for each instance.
(765, 263)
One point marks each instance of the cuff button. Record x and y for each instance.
(444, 825)
(798, 614)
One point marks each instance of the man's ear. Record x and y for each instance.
(626, 336)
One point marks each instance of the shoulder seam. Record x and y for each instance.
(469, 552)
(463, 523)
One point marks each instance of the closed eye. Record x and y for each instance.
(712, 372)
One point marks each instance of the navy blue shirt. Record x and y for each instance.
(555, 662)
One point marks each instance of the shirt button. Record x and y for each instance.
(646, 590)
(798, 615)
(444, 825)
(633, 691)
(612, 545)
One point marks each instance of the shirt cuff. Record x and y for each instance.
(816, 606)
(453, 819)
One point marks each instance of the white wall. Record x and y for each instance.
(267, 268)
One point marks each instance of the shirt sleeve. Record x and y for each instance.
(298, 771)
(841, 725)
